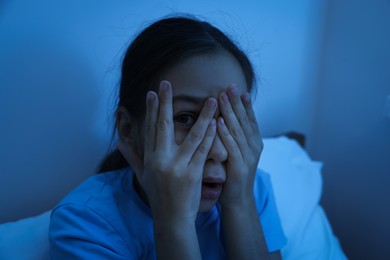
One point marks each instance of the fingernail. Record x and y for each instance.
(247, 98)
(221, 121)
(150, 96)
(233, 90)
(211, 103)
(212, 123)
(164, 85)
(224, 97)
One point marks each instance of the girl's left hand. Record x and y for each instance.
(240, 134)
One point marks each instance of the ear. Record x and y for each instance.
(128, 143)
(126, 125)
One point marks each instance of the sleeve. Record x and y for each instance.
(268, 213)
(78, 232)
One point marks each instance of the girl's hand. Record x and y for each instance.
(240, 134)
(171, 174)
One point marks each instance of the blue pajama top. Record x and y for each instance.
(105, 218)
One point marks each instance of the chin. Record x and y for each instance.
(206, 205)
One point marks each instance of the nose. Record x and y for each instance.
(218, 152)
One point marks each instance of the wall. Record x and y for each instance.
(59, 68)
(351, 135)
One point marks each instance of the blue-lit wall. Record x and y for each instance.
(351, 134)
(60, 66)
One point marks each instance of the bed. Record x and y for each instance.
(297, 185)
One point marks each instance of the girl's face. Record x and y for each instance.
(193, 80)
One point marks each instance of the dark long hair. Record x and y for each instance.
(157, 48)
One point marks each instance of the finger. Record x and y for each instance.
(201, 153)
(234, 153)
(150, 122)
(198, 130)
(165, 129)
(246, 100)
(231, 121)
(239, 110)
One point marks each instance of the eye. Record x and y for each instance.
(185, 120)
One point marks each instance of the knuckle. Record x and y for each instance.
(261, 145)
(194, 137)
(159, 165)
(235, 133)
(209, 134)
(163, 124)
(241, 120)
(226, 133)
(175, 169)
(203, 149)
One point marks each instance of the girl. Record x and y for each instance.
(183, 183)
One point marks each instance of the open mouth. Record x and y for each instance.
(210, 185)
(211, 190)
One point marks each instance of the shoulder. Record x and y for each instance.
(96, 199)
(96, 215)
(100, 186)
(109, 195)
(82, 219)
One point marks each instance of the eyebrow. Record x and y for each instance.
(191, 99)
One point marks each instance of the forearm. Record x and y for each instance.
(243, 233)
(176, 241)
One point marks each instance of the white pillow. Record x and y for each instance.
(297, 185)
(26, 238)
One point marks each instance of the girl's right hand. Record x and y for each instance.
(171, 174)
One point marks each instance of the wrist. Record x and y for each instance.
(244, 204)
(176, 240)
(169, 217)
(173, 225)
(243, 219)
